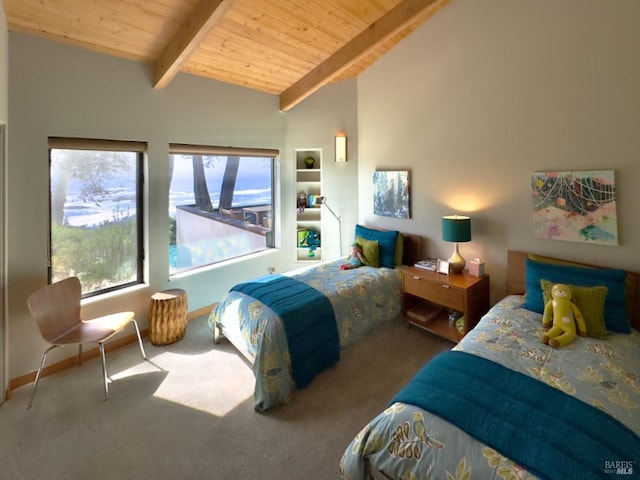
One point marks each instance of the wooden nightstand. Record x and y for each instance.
(428, 297)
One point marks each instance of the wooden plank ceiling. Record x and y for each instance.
(289, 48)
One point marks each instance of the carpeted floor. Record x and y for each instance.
(188, 413)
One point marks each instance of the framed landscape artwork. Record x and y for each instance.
(575, 206)
(391, 193)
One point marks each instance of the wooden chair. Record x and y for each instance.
(56, 310)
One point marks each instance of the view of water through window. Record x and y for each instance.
(253, 181)
(220, 207)
(95, 233)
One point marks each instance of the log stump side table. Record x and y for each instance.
(167, 316)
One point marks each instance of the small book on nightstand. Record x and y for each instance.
(427, 264)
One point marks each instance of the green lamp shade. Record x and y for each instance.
(456, 228)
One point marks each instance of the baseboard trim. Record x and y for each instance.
(69, 362)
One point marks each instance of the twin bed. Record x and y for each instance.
(290, 327)
(500, 404)
(503, 405)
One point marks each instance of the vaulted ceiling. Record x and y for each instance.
(289, 48)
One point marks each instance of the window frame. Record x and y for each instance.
(84, 144)
(211, 150)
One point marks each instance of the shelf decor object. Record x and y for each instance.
(456, 229)
(341, 149)
(308, 176)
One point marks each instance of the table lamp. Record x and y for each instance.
(456, 228)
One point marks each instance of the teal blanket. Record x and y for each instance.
(551, 434)
(308, 320)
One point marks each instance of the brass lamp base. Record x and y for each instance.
(456, 262)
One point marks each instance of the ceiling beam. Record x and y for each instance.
(191, 34)
(384, 28)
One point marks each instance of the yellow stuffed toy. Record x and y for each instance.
(565, 316)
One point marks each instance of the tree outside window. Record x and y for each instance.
(96, 211)
(220, 205)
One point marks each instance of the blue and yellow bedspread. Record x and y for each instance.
(407, 442)
(362, 299)
(308, 320)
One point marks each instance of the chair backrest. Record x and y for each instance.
(227, 212)
(56, 307)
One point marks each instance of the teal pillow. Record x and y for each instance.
(386, 241)
(615, 310)
(590, 301)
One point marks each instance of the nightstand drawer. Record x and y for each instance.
(439, 293)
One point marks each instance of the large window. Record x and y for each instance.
(96, 213)
(220, 204)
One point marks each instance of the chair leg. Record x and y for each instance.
(135, 324)
(35, 384)
(104, 364)
(104, 371)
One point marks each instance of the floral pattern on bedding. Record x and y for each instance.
(602, 373)
(406, 442)
(362, 299)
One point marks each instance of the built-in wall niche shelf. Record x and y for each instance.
(308, 164)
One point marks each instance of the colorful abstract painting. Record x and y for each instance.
(391, 194)
(576, 206)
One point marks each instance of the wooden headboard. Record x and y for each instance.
(412, 248)
(516, 283)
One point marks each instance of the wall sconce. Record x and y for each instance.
(456, 228)
(341, 149)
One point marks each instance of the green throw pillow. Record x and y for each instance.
(370, 251)
(386, 239)
(590, 302)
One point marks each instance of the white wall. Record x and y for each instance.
(472, 102)
(57, 90)
(340, 184)
(483, 94)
